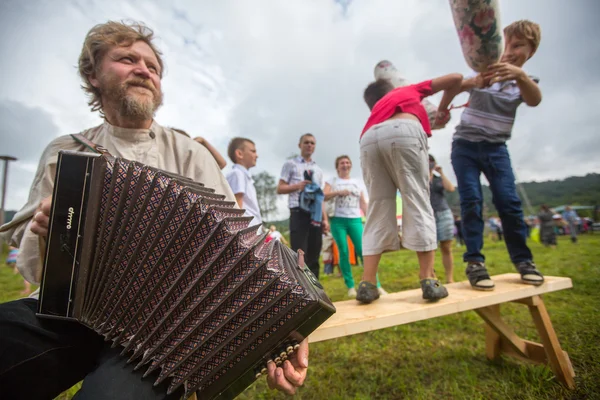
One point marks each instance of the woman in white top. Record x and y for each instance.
(348, 196)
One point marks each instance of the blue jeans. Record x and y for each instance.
(469, 160)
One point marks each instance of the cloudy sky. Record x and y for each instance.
(272, 70)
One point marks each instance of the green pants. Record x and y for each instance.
(340, 229)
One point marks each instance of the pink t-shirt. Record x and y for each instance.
(405, 99)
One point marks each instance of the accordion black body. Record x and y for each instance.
(166, 268)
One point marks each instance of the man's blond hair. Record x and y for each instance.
(99, 40)
(525, 29)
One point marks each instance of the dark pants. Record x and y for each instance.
(40, 358)
(469, 160)
(307, 237)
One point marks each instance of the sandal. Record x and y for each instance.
(433, 289)
(529, 273)
(479, 277)
(367, 292)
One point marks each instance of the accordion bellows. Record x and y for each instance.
(167, 269)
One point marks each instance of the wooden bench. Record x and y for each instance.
(408, 306)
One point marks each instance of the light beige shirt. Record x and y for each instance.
(158, 147)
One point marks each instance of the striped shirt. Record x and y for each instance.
(293, 172)
(491, 113)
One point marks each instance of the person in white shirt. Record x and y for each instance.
(274, 234)
(347, 198)
(242, 152)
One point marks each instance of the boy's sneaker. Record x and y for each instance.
(529, 273)
(382, 291)
(367, 292)
(351, 292)
(479, 277)
(433, 289)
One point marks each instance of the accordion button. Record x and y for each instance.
(258, 375)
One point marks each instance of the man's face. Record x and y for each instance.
(248, 156)
(129, 81)
(516, 51)
(307, 145)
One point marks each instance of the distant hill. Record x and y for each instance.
(575, 190)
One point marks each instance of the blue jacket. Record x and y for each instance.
(311, 201)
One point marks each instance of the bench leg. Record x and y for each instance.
(558, 359)
(500, 338)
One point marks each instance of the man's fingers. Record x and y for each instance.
(271, 375)
(302, 354)
(38, 230)
(294, 376)
(45, 205)
(276, 379)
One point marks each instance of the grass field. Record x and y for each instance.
(444, 358)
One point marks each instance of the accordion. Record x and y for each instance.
(167, 269)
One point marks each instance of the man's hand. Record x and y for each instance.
(300, 185)
(438, 169)
(41, 217)
(344, 192)
(502, 72)
(292, 372)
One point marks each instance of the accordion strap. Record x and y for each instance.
(78, 137)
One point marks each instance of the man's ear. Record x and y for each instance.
(94, 81)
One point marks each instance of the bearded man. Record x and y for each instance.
(121, 71)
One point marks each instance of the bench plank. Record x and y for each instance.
(408, 306)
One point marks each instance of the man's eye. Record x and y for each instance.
(127, 59)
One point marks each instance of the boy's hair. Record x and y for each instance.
(236, 143)
(525, 29)
(376, 90)
(102, 38)
(340, 158)
(305, 135)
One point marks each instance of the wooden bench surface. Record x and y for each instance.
(408, 306)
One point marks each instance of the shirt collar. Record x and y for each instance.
(242, 168)
(301, 160)
(132, 134)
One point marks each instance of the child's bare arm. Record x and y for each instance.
(471, 83)
(451, 85)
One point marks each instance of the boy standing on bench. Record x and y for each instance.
(394, 156)
(480, 146)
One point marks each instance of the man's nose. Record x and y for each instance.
(142, 70)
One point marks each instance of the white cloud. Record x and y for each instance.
(272, 70)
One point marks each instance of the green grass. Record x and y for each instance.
(444, 358)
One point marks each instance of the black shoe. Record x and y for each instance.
(433, 289)
(479, 277)
(529, 273)
(367, 292)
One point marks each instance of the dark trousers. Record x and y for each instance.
(307, 237)
(40, 358)
(469, 160)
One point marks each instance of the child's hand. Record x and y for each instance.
(481, 82)
(502, 72)
(441, 118)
